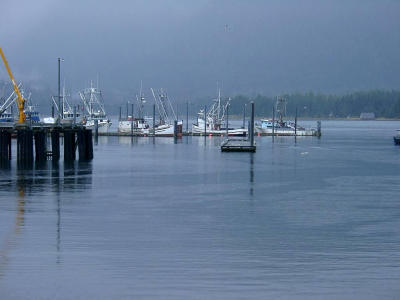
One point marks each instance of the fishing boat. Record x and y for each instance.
(131, 124)
(32, 115)
(167, 116)
(6, 117)
(6, 109)
(396, 138)
(68, 114)
(31, 112)
(94, 108)
(211, 122)
(280, 126)
(136, 125)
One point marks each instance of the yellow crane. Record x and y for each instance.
(20, 100)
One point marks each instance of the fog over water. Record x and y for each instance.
(187, 47)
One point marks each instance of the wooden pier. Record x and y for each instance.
(42, 142)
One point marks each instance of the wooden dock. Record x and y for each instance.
(242, 145)
(42, 142)
(237, 146)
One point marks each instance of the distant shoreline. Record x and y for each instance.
(237, 117)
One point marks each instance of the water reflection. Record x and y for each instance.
(4, 164)
(29, 180)
(139, 140)
(207, 142)
(251, 174)
(9, 241)
(102, 140)
(38, 176)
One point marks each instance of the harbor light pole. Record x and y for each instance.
(60, 108)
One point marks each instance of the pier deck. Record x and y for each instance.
(42, 141)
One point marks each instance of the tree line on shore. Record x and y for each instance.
(383, 103)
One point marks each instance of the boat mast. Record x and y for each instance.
(141, 101)
(91, 98)
(170, 105)
(156, 102)
(281, 107)
(219, 105)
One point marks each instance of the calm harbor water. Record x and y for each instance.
(165, 219)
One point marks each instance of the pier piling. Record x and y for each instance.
(175, 129)
(55, 144)
(40, 145)
(96, 128)
(85, 144)
(69, 145)
(319, 128)
(25, 145)
(33, 143)
(252, 125)
(89, 145)
(5, 145)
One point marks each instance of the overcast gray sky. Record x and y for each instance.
(249, 47)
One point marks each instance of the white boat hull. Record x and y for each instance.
(126, 127)
(103, 126)
(196, 129)
(286, 131)
(160, 130)
(49, 120)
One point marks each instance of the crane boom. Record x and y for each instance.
(20, 99)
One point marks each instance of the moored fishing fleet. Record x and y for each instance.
(212, 122)
(281, 126)
(91, 113)
(166, 124)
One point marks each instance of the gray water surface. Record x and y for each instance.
(158, 218)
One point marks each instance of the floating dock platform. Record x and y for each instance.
(237, 146)
(243, 145)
